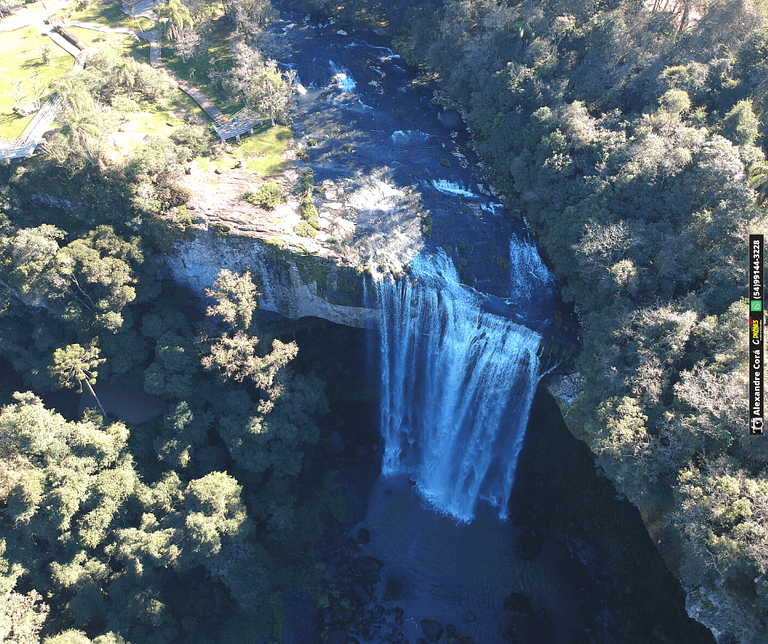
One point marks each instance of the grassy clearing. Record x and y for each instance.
(120, 43)
(137, 126)
(107, 13)
(261, 153)
(150, 123)
(196, 71)
(21, 60)
(138, 49)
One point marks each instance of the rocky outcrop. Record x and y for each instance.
(291, 284)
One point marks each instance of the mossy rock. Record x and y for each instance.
(426, 225)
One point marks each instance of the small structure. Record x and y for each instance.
(69, 37)
(25, 145)
(244, 121)
(130, 6)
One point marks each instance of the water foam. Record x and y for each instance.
(450, 188)
(530, 278)
(457, 386)
(343, 80)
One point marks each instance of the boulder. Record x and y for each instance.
(431, 629)
(367, 565)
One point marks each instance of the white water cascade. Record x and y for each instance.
(457, 387)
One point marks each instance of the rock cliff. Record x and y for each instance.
(290, 283)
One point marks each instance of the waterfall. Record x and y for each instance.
(530, 277)
(457, 386)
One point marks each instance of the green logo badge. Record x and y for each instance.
(757, 305)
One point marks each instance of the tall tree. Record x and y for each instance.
(235, 296)
(259, 83)
(758, 181)
(177, 17)
(21, 617)
(74, 363)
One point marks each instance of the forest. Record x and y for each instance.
(182, 528)
(629, 135)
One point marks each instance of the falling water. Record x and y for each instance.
(457, 386)
(343, 80)
(530, 277)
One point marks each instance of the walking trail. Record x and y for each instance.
(244, 121)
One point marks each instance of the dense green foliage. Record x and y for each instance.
(624, 133)
(173, 530)
(148, 532)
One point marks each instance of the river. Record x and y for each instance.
(464, 307)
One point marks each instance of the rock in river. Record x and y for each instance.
(431, 629)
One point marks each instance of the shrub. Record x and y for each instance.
(426, 225)
(268, 196)
(170, 193)
(307, 180)
(309, 211)
(303, 229)
(195, 138)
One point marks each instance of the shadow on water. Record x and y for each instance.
(573, 564)
(462, 574)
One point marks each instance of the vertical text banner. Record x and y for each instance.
(756, 335)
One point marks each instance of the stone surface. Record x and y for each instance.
(432, 630)
(197, 261)
(335, 444)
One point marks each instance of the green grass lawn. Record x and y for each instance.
(21, 60)
(148, 123)
(261, 152)
(138, 49)
(122, 44)
(108, 13)
(196, 72)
